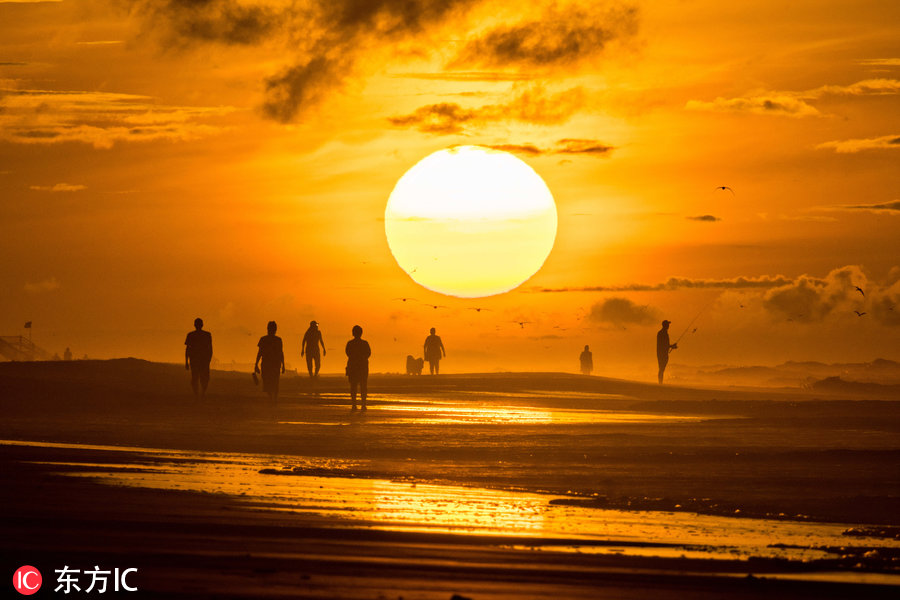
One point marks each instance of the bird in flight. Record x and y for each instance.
(478, 308)
(859, 314)
(405, 299)
(725, 187)
(437, 306)
(521, 323)
(859, 289)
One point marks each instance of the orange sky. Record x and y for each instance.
(232, 160)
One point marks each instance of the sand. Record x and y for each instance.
(590, 442)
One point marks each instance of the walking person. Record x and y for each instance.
(197, 356)
(587, 361)
(271, 354)
(434, 351)
(663, 348)
(358, 353)
(312, 339)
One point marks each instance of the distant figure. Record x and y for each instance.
(310, 345)
(587, 361)
(414, 365)
(358, 353)
(67, 355)
(271, 352)
(197, 356)
(663, 348)
(434, 351)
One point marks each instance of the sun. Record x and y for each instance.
(470, 221)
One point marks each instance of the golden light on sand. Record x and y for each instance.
(470, 221)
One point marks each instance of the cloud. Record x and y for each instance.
(100, 119)
(327, 38)
(786, 106)
(531, 105)
(580, 146)
(566, 146)
(809, 299)
(59, 187)
(867, 87)
(795, 104)
(222, 21)
(621, 311)
(881, 62)
(330, 41)
(560, 37)
(707, 218)
(858, 145)
(526, 149)
(681, 283)
(47, 285)
(888, 206)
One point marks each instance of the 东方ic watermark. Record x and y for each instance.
(27, 580)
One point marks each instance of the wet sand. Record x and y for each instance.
(586, 445)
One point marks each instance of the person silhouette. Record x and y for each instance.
(67, 355)
(197, 356)
(663, 348)
(587, 360)
(271, 353)
(434, 349)
(310, 346)
(358, 353)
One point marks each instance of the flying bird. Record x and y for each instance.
(478, 308)
(725, 187)
(521, 323)
(405, 299)
(859, 289)
(437, 306)
(859, 314)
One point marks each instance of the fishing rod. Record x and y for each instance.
(686, 329)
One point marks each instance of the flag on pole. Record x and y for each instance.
(28, 325)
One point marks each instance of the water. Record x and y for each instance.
(333, 498)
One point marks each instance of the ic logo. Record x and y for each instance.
(27, 580)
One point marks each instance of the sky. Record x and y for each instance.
(231, 159)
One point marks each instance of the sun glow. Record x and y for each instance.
(469, 221)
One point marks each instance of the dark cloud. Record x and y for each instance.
(560, 37)
(222, 21)
(567, 146)
(299, 86)
(526, 149)
(531, 105)
(680, 283)
(572, 146)
(895, 205)
(708, 218)
(327, 37)
(621, 311)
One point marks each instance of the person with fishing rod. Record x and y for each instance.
(663, 347)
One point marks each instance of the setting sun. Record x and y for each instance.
(470, 222)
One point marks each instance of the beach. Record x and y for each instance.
(502, 485)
